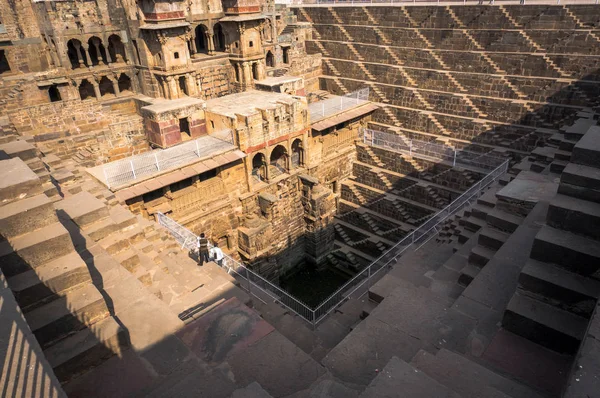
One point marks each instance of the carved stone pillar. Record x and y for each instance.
(210, 44)
(246, 74)
(98, 53)
(97, 89)
(165, 88)
(172, 84)
(79, 55)
(115, 85)
(108, 59)
(87, 56)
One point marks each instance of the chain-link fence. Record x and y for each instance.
(135, 167)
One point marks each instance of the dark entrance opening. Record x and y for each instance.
(286, 55)
(4, 66)
(54, 94)
(184, 128)
(182, 85)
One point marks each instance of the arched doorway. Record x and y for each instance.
(96, 50)
(219, 38)
(106, 86)
(297, 153)
(182, 85)
(86, 90)
(124, 83)
(76, 54)
(270, 59)
(277, 162)
(201, 44)
(259, 167)
(116, 49)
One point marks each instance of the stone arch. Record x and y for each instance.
(278, 161)
(259, 166)
(116, 49)
(96, 50)
(297, 158)
(86, 89)
(219, 37)
(124, 83)
(270, 59)
(201, 39)
(106, 86)
(76, 54)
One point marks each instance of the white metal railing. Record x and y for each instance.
(322, 109)
(427, 2)
(360, 283)
(250, 281)
(135, 167)
(430, 151)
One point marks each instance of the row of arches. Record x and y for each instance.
(279, 161)
(205, 41)
(105, 87)
(94, 52)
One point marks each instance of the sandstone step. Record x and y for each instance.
(544, 324)
(86, 349)
(564, 156)
(19, 149)
(581, 182)
(480, 256)
(587, 150)
(488, 199)
(558, 166)
(129, 259)
(504, 221)
(51, 160)
(473, 224)
(62, 176)
(37, 286)
(74, 311)
(123, 218)
(467, 274)
(50, 190)
(26, 215)
(480, 211)
(573, 252)
(18, 181)
(575, 215)
(398, 376)
(561, 288)
(120, 241)
(83, 208)
(465, 377)
(44, 176)
(34, 249)
(100, 229)
(465, 235)
(492, 238)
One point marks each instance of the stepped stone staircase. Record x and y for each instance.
(559, 285)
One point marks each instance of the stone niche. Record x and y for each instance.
(168, 123)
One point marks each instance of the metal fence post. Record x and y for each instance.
(454, 161)
(132, 169)
(197, 149)
(106, 177)
(156, 160)
(410, 148)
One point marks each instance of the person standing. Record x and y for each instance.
(202, 249)
(217, 254)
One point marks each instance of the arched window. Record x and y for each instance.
(219, 38)
(106, 86)
(201, 45)
(86, 90)
(277, 162)
(297, 153)
(116, 49)
(76, 54)
(124, 83)
(259, 166)
(270, 59)
(96, 50)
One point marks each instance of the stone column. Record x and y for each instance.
(115, 85)
(108, 59)
(87, 56)
(267, 172)
(173, 92)
(79, 55)
(193, 43)
(261, 71)
(165, 88)
(189, 83)
(210, 45)
(246, 74)
(97, 89)
(98, 53)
